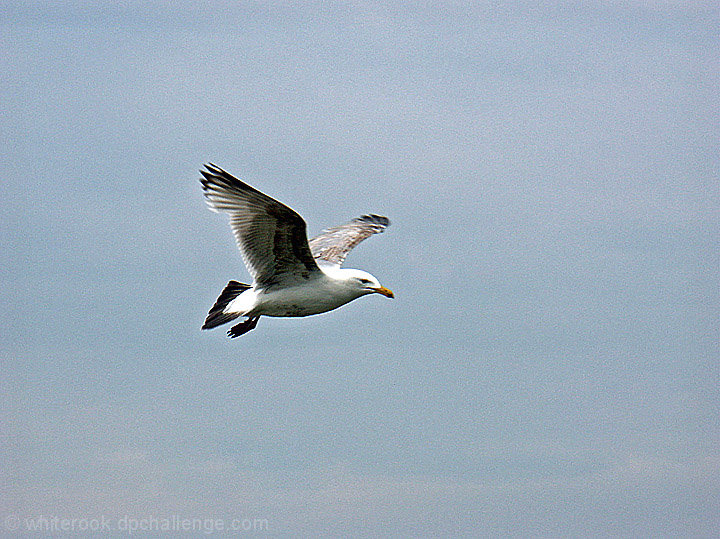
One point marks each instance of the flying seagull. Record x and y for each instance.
(291, 276)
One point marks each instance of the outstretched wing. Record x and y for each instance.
(272, 238)
(334, 244)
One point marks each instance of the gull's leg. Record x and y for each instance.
(243, 327)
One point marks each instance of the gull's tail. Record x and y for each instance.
(217, 317)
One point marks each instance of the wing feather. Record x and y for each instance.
(271, 237)
(333, 245)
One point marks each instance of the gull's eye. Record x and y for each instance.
(365, 281)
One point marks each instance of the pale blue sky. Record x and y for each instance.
(550, 365)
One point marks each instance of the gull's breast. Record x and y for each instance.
(301, 300)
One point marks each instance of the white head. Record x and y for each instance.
(361, 282)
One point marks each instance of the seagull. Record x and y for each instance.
(291, 275)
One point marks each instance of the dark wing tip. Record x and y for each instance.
(373, 219)
(215, 172)
(213, 176)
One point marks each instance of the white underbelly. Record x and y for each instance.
(298, 301)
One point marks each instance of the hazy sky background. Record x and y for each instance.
(550, 365)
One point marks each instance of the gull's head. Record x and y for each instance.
(363, 283)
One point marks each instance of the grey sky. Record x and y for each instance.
(550, 365)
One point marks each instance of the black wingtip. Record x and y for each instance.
(373, 218)
(212, 171)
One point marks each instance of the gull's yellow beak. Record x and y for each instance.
(385, 292)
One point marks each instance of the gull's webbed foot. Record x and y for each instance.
(243, 327)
